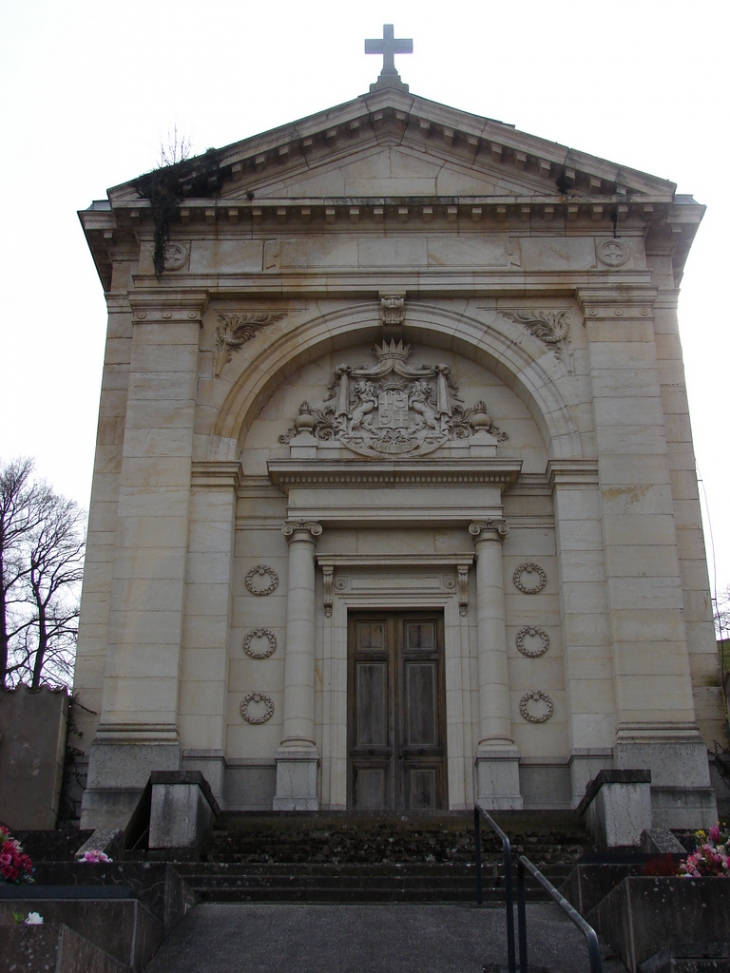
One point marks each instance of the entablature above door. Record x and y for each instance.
(408, 493)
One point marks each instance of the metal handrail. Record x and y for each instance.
(507, 855)
(594, 951)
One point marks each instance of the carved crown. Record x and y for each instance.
(398, 352)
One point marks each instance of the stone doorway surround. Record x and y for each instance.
(458, 492)
(396, 582)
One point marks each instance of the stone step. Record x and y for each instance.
(359, 895)
(211, 869)
(219, 882)
(551, 837)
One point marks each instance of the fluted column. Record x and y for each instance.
(497, 758)
(297, 759)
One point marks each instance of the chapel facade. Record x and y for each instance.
(394, 504)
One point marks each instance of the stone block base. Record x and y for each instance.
(617, 807)
(685, 808)
(53, 946)
(118, 773)
(296, 780)
(498, 779)
(181, 812)
(644, 915)
(681, 791)
(121, 927)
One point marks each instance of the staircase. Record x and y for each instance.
(334, 858)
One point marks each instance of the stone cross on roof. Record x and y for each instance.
(389, 46)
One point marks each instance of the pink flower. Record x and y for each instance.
(94, 855)
(715, 834)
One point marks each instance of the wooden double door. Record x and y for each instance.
(396, 711)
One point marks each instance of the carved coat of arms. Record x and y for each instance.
(393, 408)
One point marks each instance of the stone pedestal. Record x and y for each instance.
(617, 807)
(182, 811)
(297, 759)
(497, 759)
(681, 793)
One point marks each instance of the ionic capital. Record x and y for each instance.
(292, 528)
(496, 529)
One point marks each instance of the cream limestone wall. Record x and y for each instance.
(547, 282)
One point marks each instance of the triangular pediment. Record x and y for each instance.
(387, 170)
(391, 143)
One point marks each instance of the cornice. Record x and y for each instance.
(168, 305)
(217, 474)
(331, 473)
(580, 210)
(395, 560)
(572, 472)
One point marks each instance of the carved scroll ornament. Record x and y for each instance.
(234, 330)
(550, 327)
(327, 578)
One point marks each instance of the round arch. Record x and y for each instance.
(520, 360)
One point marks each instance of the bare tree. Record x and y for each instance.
(177, 148)
(41, 563)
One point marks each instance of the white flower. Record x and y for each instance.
(33, 919)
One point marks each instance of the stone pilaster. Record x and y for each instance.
(497, 759)
(207, 624)
(656, 717)
(297, 759)
(584, 620)
(138, 730)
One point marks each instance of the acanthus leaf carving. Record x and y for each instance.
(550, 327)
(394, 409)
(234, 330)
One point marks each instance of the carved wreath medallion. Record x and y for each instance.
(176, 256)
(254, 583)
(394, 409)
(541, 712)
(259, 633)
(533, 574)
(532, 651)
(612, 252)
(257, 708)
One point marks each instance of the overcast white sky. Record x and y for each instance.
(90, 88)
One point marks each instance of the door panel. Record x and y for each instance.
(420, 704)
(396, 723)
(371, 698)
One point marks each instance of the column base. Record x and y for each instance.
(118, 773)
(296, 780)
(498, 778)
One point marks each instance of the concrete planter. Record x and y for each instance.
(32, 748)
(642, 916)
